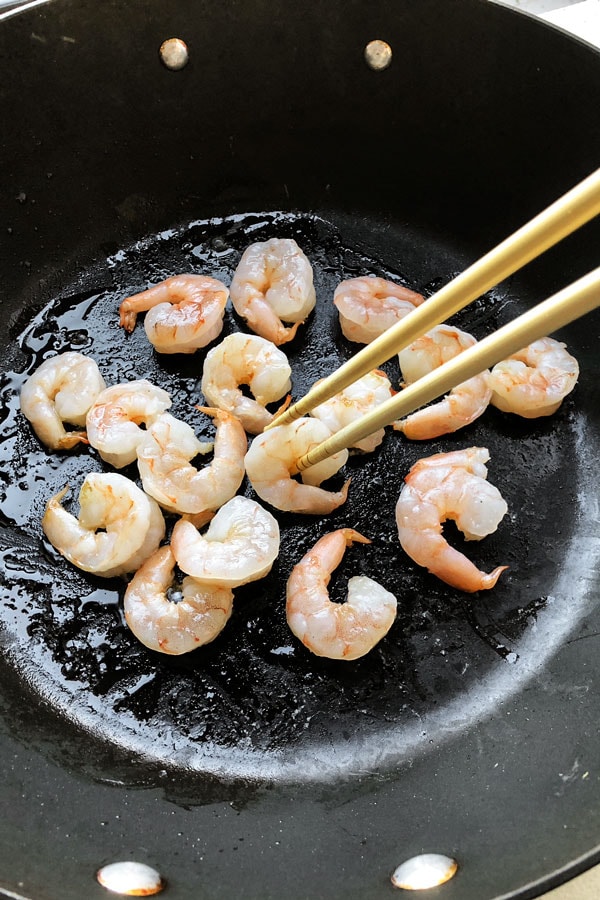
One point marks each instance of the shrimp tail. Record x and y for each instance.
(214, 412)
(343, 494)
(142, 302)
(71, 439)
(57, 499)
(283, 406)
(420, 428)
(488, 581)
(331, 501)
(199, 520)
(354, 537)
(461, 573)
(287, 333)
(127, 316)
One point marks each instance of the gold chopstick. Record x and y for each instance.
(560, 219)
(567, 305)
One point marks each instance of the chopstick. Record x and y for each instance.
(558, 220)
(567, 305)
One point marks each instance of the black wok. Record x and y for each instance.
(251, 768)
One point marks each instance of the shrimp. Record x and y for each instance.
(336, 630)
(113, 422)
(534, 381)
(271, 462)
(118, 527)
(465, 403)
(369, 305)
(240, 545)
(61, 390)
(449, 486)
(246, 359)
(273, 284)
(184, 312)
(164, 461)
(167, 623)
(353, 402)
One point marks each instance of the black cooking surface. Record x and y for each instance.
(255, 703)
(252, 768)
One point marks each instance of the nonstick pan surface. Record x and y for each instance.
(252, 767)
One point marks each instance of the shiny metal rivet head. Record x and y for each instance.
(174, 54)
(426, 871)
(378, 55)
(130, 879)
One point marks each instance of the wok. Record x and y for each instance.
(251, 768)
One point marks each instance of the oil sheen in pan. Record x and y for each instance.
(255, 703)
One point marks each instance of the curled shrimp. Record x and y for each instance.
(173, 624)
(449, 486)
(336, 630)
(465, 403)
(271, 463)
(118, 526)
(251, 360)
(113, 421)
(164, 461)
(240, 545)
(534, 381)
(61, 389)
(369, 305)
(273, 284)
(355, 401)
(183, 313)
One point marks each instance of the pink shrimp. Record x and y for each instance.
(184, 312)
(449, 486)
(168, 626)
(337, 630)
(465, 403)
(534, 381)
(61, 390)
(272, 285)
(369, 305)
(271, 463)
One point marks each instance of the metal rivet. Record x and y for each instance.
(426, 871)
(378, 55)
(174, 54)
(130, 879)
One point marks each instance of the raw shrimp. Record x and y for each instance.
(240, 545)
(271, 462)
(113, 422)
(336, 630)
(353, 402)
(164, 460)
(273, 284)
(118, 527)
(61, 390)
(462, 405)
(534, 381)
(184, 312)
(175, 625)
(449, 486)
(369, 305)
(251, 360)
